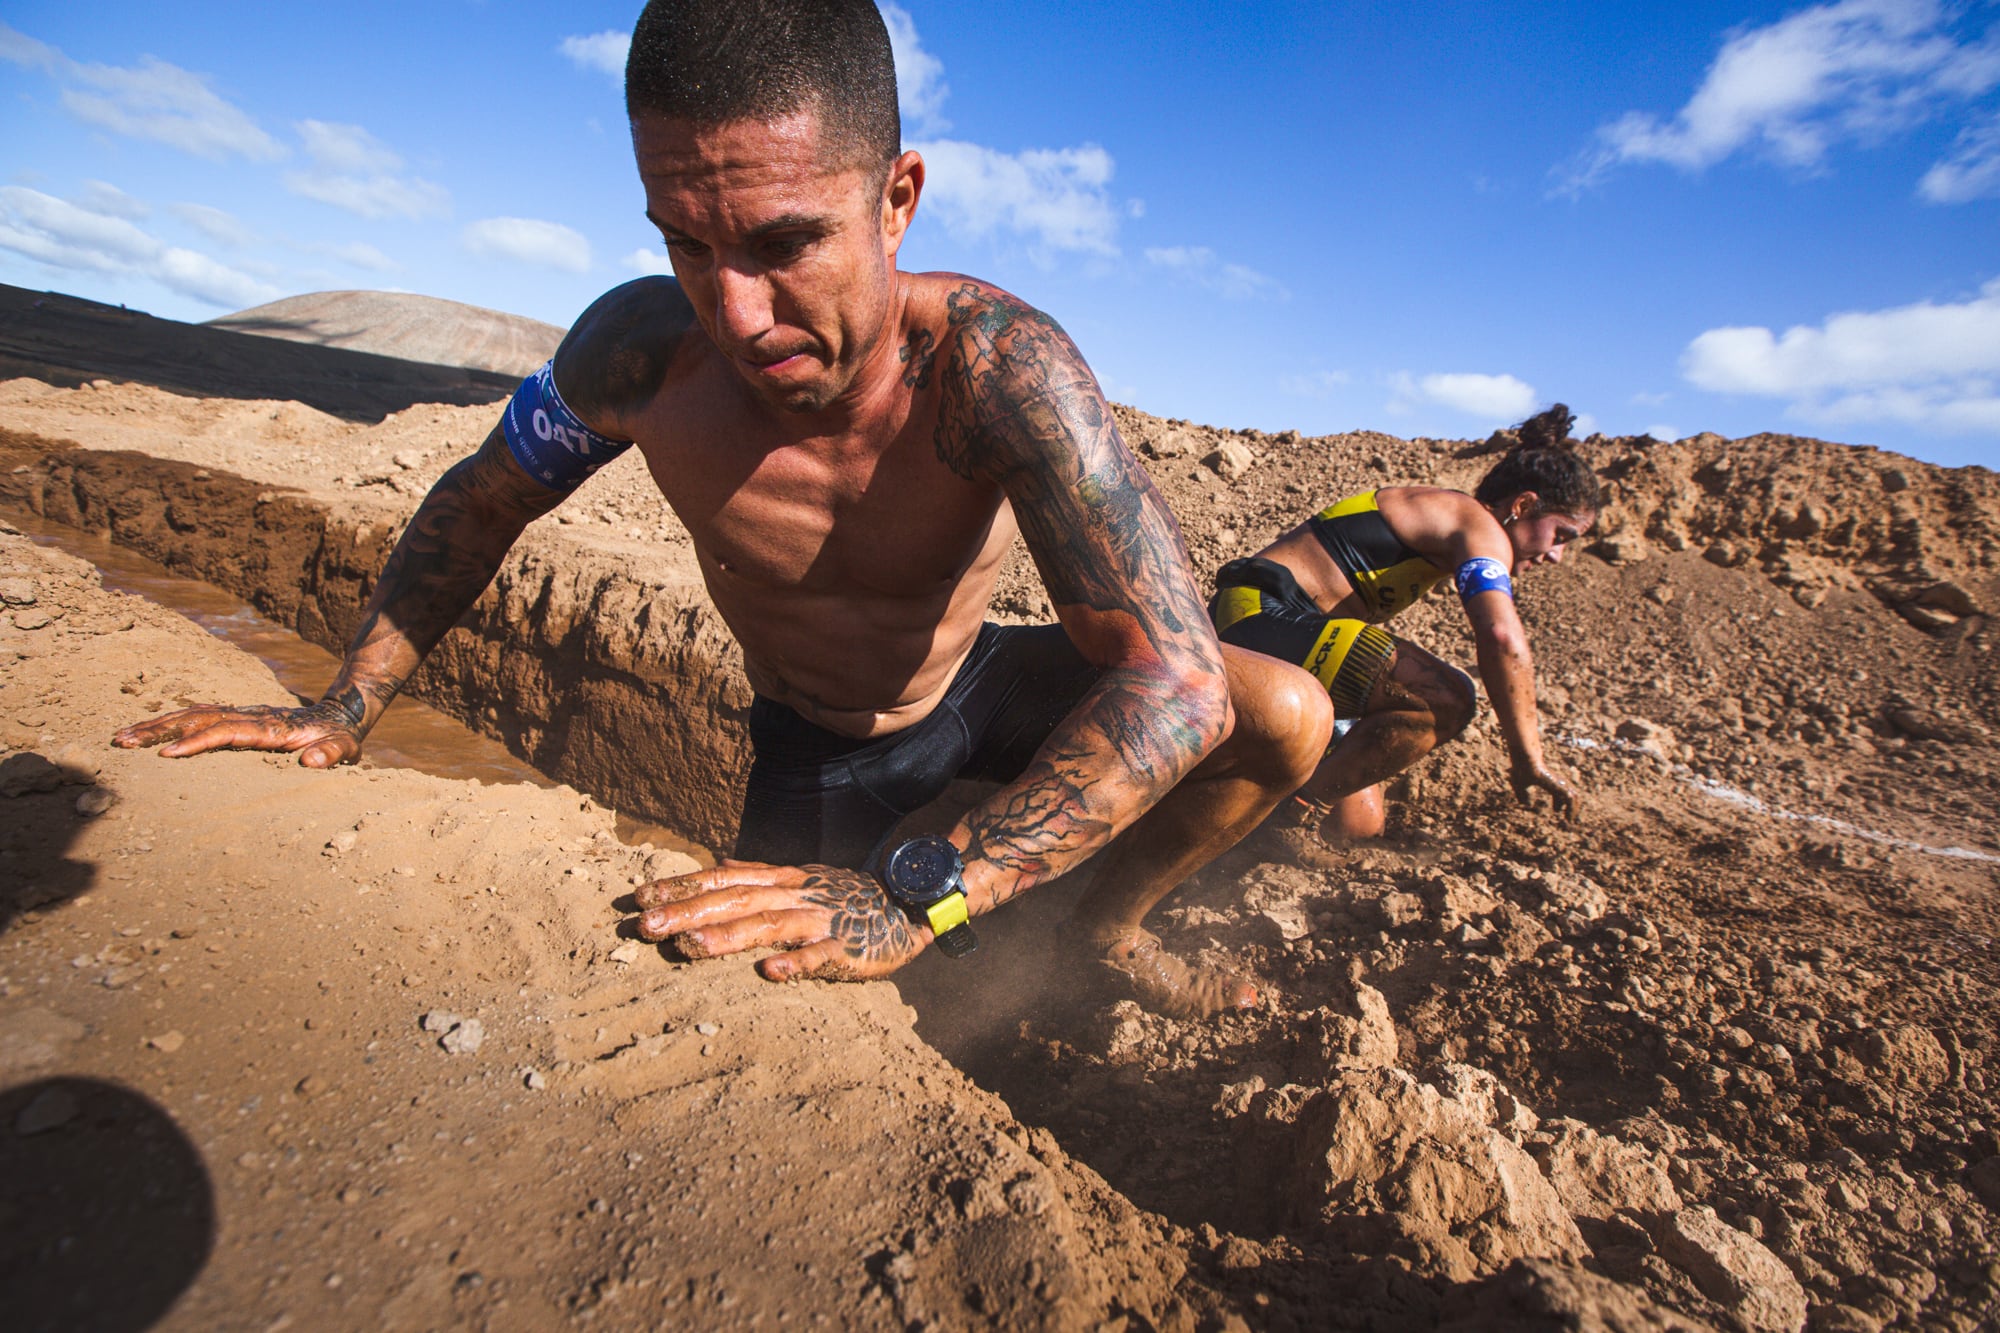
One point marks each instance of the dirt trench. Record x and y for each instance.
(619, 684)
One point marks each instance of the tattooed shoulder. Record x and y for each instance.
(1009, 379)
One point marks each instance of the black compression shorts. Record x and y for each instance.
(816, 797)
(1259, 605)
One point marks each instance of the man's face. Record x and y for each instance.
(786, 252)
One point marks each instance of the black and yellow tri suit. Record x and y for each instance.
(1259, 605)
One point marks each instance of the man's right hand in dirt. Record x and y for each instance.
(321, 734)
(827, 922)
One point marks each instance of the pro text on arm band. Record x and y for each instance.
(549, 441)
(1480, 574)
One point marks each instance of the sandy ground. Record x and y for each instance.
(1717, 1055)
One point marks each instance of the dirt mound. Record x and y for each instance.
(1714, 1055)
(68, 341)
(405, 325)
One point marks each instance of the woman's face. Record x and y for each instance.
(1541, 538)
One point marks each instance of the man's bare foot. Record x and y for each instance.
(1171, 986)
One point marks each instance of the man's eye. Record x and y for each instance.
(786, 247)
(681, 245)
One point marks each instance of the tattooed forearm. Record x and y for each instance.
(1019, 407)
(445, 558)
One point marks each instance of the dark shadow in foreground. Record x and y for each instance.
(107, 1214)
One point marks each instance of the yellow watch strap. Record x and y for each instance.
(947, 913)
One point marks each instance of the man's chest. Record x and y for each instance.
(870, 516)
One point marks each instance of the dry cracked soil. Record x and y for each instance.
(367, 1048)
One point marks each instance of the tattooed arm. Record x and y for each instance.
(1020, 407)
(454, 544)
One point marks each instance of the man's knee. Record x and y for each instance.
(1284, 720)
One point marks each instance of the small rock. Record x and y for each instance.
(439, 1020)
(51, 1109)
(1230, 461)
(534, 1081)
(1847, 1196)
(407, 872)
(30, 620)
(1399, 909)
(95, 802)
(1650, 737)
(167, 1042)
(27, 772)
(1624, 549)
(311, 1086)
(708, 1029)
(409, 460)
(628, 952)
(342, 841)
(1985, 1181)
(464, 1039)
(1926, 618)
(1660, 594)
(1733, 1270)
(17, 592)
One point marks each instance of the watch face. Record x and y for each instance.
(923, 870)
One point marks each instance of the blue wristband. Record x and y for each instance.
(1480, 574)
(549, 441)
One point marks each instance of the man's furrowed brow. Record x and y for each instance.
(788, 222)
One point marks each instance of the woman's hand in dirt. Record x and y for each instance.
(321, 734)
(830, 923)
(1527, 777)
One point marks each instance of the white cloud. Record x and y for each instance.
(62, 235)
(1922, 364)
(360, 254)
(1319, 384)
(1665, 434)
(354, 170)
(220, 227)
(1971, 172)
(1056, 196)
(152, 100)
(106, 198)
(1490, 397)
(1856, 69)
(1232, 282)
(920, 85)
(648, 262)
(1650, 399)
(528, 241)
(601, 51)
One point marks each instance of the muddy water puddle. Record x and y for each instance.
(411, 734)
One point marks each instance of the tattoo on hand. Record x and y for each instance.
(868, 926)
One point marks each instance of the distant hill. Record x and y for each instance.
(404, 325)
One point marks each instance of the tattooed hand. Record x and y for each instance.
(321, 734)
(835, 924)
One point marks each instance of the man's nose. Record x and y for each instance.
(742, 303)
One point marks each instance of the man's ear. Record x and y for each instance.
(899, 199)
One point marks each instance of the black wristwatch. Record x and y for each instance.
(926, 877)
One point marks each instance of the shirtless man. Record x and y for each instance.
(1319, 594)
(853, 450)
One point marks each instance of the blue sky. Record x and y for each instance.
(1425, 220)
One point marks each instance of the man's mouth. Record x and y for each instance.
(769, 365)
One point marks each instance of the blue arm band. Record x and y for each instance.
(1480, 574)
(549, 441)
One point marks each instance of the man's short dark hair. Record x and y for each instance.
(710, 62)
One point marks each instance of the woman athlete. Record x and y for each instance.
(1319, 594)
